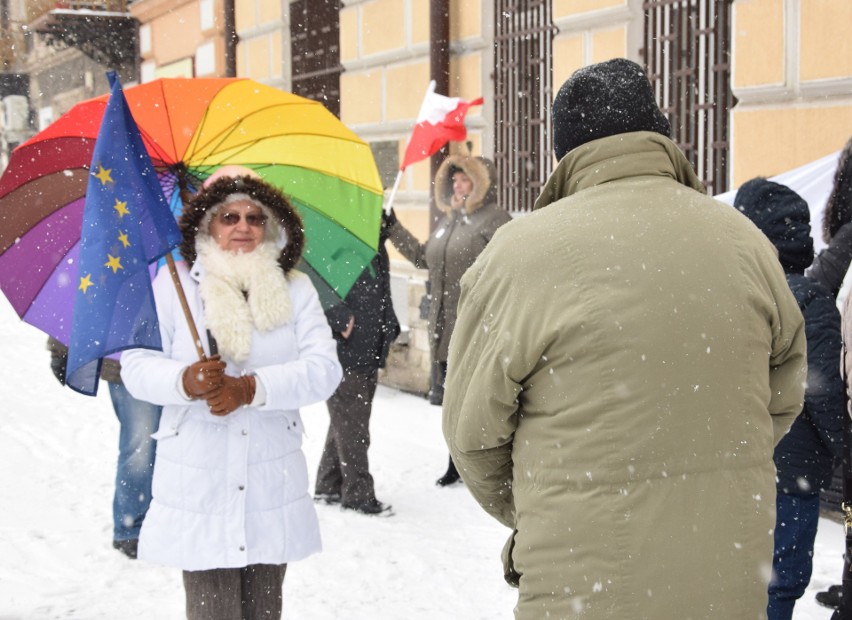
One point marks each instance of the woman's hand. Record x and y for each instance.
(349, 328)
(200, 378)
(233, 393)
(457, 202)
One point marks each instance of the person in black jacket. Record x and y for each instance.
(830, 267)
(364, 326)
(805, 458)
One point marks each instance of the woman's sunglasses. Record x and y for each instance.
(231, 218)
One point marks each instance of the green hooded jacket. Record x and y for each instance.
(624, 361)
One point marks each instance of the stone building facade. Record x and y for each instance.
(768, 82)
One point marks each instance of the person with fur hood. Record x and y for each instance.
(807, 455)
(624, 361)
(465, 191)
(230, 502)
(831, 264)
(829, 268)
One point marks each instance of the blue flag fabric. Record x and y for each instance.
(127, 224)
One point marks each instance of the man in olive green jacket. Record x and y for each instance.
(624, 361)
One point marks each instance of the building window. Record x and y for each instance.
(523, 83)
(148, 71)
(145, 39)
(687, 55)
(315, 51)
(386, 154)
(205, 59)
(207, 18)
(45, 117)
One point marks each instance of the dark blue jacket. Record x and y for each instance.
(809, 452)
(807, 455)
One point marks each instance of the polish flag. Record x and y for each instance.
(441, 119)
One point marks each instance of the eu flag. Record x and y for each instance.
(127, 225)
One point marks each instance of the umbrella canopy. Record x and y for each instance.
(191, 127)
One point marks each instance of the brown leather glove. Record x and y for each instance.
(234, 392)
(201, 378)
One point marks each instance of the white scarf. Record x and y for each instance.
(241, 292)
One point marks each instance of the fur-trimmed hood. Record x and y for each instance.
(288, 220)
(481, 172)
(838, 209)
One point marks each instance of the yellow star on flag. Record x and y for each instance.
(113, 263)
(123, 238)
(121, 207)
(85, 282)
(103, 175)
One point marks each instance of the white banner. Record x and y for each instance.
(812, 182)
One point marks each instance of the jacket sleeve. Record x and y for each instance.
(831, 264)
(338, 317)
(316, 373)
(500, 217)
(788, 356)
(408, 245)
(58, 358)
(825, 398)
(480, 410)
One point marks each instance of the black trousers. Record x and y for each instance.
(344, 467)
(249, 593)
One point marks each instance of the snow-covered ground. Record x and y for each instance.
(437, 558)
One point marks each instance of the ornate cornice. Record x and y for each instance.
(108, 38)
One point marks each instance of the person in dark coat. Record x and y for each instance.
(364, 326)
(830, 267)
(832, 263)
(466, 192)
(805, 458)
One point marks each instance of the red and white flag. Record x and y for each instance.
(441, 119)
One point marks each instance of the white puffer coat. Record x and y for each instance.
(233, 491)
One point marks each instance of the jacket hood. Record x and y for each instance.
(481, 172)
(639, 153)
(783, 216)
(838, 209)
(288, 220)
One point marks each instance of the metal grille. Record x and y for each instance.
(523, 84)
(687, 55)
(315, 51)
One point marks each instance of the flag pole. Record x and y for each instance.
(170, 261)
(389, 204)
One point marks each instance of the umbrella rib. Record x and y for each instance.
(169, 119)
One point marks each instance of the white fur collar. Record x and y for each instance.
(241, 292)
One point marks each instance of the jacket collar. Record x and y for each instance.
(635, 154)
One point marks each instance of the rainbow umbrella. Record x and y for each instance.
(191, 127)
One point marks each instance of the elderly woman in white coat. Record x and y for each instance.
(230, 493)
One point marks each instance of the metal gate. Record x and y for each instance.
(523, 91)
(687, 56)
(315, 51)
